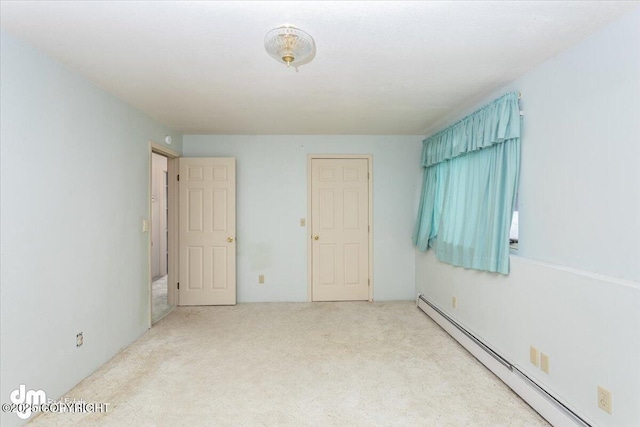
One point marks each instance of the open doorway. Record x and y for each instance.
(162, 214)
(159, 237)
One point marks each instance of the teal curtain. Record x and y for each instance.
(469, 187)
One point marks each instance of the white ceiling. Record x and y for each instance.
(380, 68)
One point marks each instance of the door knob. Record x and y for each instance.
(316, 237)
(229, 239)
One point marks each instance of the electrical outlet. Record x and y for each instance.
(303, 222)
(261, 279)
(544, 363)
(604, 399)
(79, 339)
(454, 302)
(533, 356)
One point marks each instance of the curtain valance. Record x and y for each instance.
(492, 124)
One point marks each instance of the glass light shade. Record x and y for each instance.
(290, 45)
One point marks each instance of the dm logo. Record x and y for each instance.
(27, 399)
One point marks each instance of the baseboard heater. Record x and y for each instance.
(554, 411)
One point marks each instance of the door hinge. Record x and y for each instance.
(369, 228)
(367, 175)
(368, 282)
(178, 177)
(178, 285)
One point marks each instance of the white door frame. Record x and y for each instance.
(369, 159)
(172, 222)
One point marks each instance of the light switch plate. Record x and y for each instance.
(303, 222)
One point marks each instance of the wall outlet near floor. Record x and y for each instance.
(533, 356)
(544, 363)
(79, 339)
(454, 302)
(261, 279)
(604, 399)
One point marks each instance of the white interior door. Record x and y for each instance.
(340, 229)
(207, 231)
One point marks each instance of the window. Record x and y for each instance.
(513, 232)
(470, 183)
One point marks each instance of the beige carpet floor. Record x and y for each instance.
(296, 364)
(159, 304)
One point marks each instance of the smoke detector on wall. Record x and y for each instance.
(290, 45)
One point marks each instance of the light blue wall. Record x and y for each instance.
(74, 191)
(582, 139)
(272, 197)
(574, 288)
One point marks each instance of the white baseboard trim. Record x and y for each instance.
(540, 400)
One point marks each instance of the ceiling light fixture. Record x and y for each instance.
(290, 45)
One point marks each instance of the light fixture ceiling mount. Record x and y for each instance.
(290, 45)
